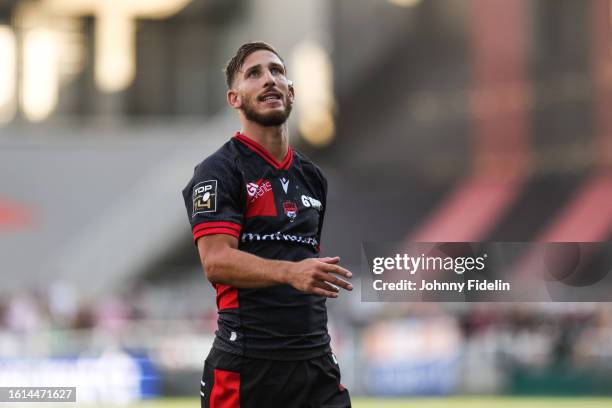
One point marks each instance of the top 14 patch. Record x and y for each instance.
(205, 197)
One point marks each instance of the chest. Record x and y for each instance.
(282, 200)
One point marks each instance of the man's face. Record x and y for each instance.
(261, 89)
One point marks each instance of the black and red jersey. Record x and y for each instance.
(276, 211)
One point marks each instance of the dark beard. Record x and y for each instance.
(269, 119)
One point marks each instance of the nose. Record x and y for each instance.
(268, 78)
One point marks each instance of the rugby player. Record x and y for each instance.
(256, 208)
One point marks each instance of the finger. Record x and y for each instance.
(326, 285)
(330, 260)
(323, 292)
(338, 270)
(334, 280)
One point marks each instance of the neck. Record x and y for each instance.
(275, 139)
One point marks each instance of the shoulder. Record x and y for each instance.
(218, 168)
(308, 165)
(220, 163)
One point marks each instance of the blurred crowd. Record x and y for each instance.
(61, 309)
(541, 334)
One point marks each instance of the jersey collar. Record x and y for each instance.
(261, 151)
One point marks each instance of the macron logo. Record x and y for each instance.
(285, 184)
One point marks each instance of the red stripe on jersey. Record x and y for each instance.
(259, 149)
(227, 297)
(225, 392)
(213, 231)
(213, 224)
(216, 227)
(288, 159)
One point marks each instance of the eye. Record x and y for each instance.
(276, 70)
(252, 74)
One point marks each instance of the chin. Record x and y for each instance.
(274, 120)
(268, 117)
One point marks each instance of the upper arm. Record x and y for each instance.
(215, 244)
(214, 201)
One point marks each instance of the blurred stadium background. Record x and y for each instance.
(435, 120)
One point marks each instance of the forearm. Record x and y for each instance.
(240, 269)
(225, 264)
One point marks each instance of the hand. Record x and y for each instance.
(314, 275)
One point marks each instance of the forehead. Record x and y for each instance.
(260, 57)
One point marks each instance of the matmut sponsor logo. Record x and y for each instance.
(258, 189)
(279, 236)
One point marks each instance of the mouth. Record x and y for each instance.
(270, 96)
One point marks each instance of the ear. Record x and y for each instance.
(233, 99)
(291, 90)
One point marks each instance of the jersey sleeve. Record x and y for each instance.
(213, 200)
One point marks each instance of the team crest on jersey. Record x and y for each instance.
(205, 197)
(291, 209)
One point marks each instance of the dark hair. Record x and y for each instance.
(242, 53)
